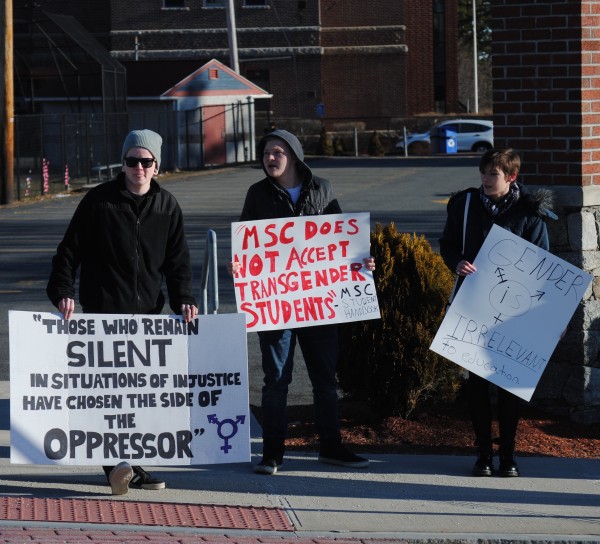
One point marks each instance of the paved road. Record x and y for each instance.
(398, 499)
(408, 191)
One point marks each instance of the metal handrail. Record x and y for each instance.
(209, 280)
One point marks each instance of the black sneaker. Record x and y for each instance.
(144, 480)
(119, 478)
(483, 466)
(266, 466)
(341, 456)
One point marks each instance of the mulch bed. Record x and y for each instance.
(441, 430)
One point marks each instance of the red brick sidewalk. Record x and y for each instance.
(45, 535)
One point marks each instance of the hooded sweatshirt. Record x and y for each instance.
(267, 199)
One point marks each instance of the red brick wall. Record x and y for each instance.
(363, 12)
(452, 102)
(369, 86)
(353, 55)
(547, 88)
(590, 91)
(418, 17)
(94, 15)
(419, 92)
(359, 77)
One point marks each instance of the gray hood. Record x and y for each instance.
(292, 142)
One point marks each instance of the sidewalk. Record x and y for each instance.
(399, 498)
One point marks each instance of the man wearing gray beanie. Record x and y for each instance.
(145, 139)
(125, 237)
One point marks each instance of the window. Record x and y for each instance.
(473, 127)
(253, 3)
(174, 4)
(214, 3)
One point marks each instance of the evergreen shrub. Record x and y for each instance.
(387, 362)
(338, 147)
(325, 146)
(376, 148)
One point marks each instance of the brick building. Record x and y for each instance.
(366, 60)
(546, 91)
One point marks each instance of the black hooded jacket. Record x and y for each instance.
(266, 199)
(125, 246)
(525, 219)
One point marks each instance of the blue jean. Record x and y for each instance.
(320, 349)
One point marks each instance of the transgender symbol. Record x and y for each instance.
(226, 426)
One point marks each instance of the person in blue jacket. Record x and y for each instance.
(290, 189)
(502, 201)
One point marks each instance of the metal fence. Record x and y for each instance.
(56, 151)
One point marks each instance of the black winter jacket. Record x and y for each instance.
(124, 252)
(525, 219)
(266, 199)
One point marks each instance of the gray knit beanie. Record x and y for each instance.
(143, 138)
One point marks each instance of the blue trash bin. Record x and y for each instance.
(450, 141)
(443, 140)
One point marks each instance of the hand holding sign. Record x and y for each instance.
(104, 388)
(507, 318)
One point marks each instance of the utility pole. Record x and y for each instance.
(231, 30)
(8, 106)
(475, 82)
(232, 34)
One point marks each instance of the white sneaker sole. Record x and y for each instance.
(119, 478)
(263, 469)
(151, 487)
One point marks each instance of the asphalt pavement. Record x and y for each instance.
(399, 498)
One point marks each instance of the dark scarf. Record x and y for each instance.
(498, 208)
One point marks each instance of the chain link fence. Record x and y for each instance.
(58, 151)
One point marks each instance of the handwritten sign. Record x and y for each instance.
(149, 389)
(507, 318)
(303, 271)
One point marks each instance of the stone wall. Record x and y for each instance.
(570, 385)
(546, 91)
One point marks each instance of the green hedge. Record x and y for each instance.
(387, 362)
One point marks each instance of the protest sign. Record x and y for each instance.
(507, 318)
(303, 271)
(148, 389)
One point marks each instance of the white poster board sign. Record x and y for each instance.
(303, 271)
(507, 318)
(148, 389)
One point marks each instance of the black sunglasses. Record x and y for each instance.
(132, 162)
